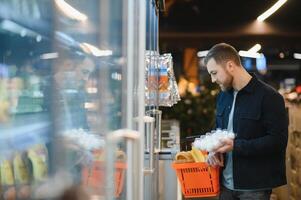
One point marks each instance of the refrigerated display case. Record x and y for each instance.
(73, 114)
(72, 99)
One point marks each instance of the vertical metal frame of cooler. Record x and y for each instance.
(132, 94)
(151, 176)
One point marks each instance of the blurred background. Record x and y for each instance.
(189, 28)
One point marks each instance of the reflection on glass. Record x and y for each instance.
(24, 116)
(60, 94)
(70, 81)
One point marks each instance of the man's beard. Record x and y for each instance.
(227, 85)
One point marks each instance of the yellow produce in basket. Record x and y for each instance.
(197, 155)
(184, 157)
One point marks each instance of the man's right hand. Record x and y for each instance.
(215, 159)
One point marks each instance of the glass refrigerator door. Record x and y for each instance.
(72, 99)
(153, 95)
(99, 95)
(25, 117)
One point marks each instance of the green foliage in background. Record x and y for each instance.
(196, 114)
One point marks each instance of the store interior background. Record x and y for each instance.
(189, 27)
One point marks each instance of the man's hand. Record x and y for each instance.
(226, 146)
(215, 159)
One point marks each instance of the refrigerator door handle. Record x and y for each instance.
(132, 139)
(156, 114)
(149, 123)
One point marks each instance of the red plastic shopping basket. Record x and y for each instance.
(197, 179)
(94, 176)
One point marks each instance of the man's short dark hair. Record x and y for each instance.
(221, 53)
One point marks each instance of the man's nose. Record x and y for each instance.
(213, 80)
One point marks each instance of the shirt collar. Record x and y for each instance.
(248, 88)
(251, 85)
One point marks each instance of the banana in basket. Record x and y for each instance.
(184, 157)
(194, 155)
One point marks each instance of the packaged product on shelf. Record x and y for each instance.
(170, 96)
(16, 87)
(151, 93)
(151, 78)
(164, 87)
(22, 176)
(164, 92)
(38, 155)
(26, 91)
(4, 110)
(161, 86)
(7, 179)
(175, 96)
(21, 171)
(7, 174)
(4, 96)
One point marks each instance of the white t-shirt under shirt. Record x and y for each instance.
(227, 177)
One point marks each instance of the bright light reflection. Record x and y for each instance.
(69, 11)
(271, 10)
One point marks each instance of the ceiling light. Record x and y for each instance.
(261, 64)
(255, 48)
(23, 33)
(89, 105)
(297, 56)
(271, 10)
(281, 55)
(46, 56)
(202, 53)
(69, 11)
(39, 38)
(92, 90)
(249, 54)
(89, 48)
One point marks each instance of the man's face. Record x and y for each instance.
(219, 75)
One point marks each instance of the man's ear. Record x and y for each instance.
(230, 66)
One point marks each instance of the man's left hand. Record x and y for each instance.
(226, 145)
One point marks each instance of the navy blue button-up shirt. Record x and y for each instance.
(260, 123)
